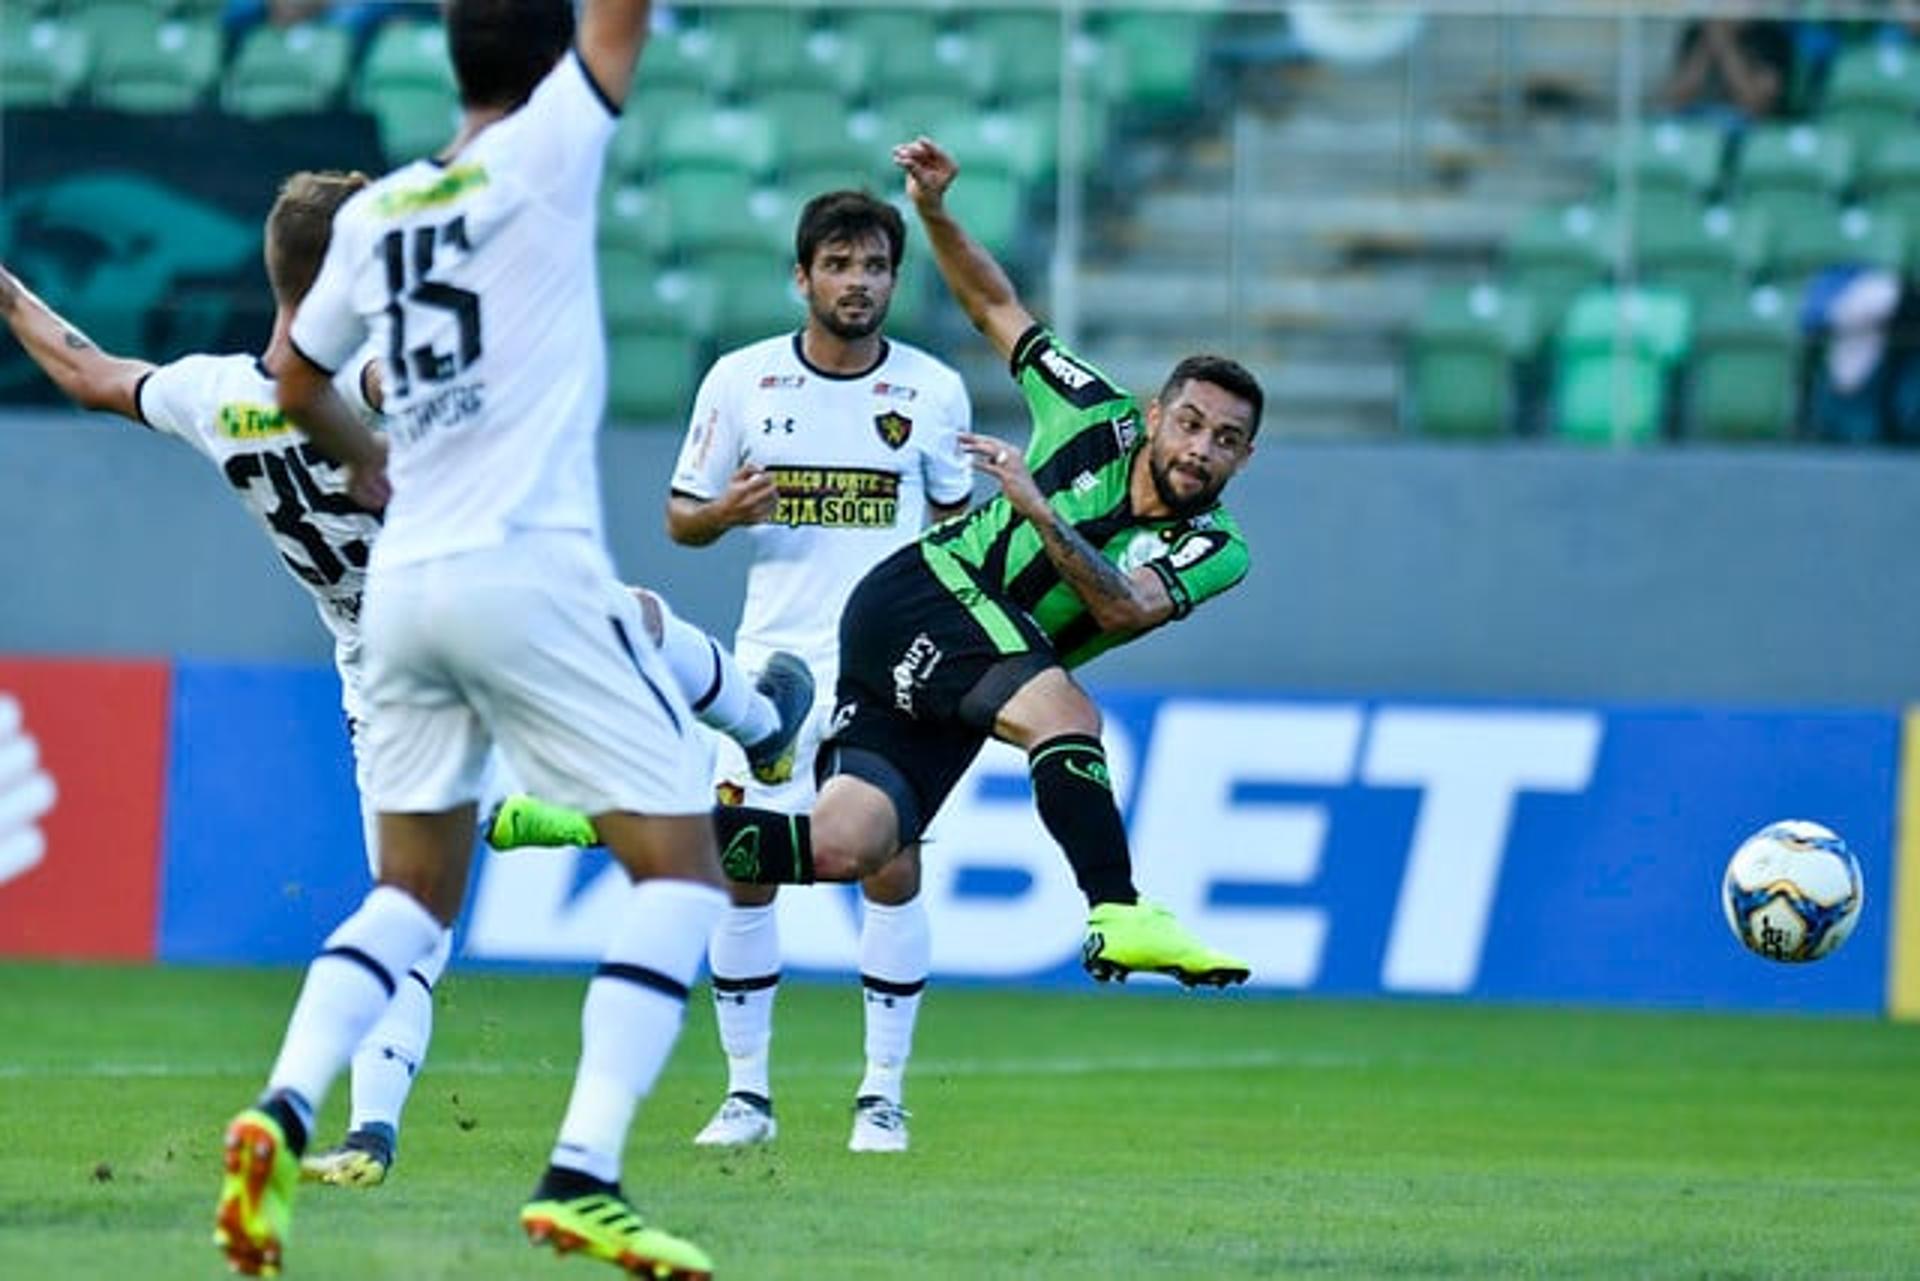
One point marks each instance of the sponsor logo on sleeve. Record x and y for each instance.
(782, 382)
(895, 391)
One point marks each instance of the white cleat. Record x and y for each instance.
(743, 1119)
(879, 1125)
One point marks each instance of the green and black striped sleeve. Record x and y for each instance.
(1065, 395)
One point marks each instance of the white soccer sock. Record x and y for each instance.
(632, 1016)
(349, 986)
(896, 950)
(385, 1064)
(744, 958)
(717, 689)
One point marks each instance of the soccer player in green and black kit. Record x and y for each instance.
(1109, 526)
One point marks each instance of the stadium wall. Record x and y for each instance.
(201, 812)
(1765, 578)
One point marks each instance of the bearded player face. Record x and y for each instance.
(849, 285)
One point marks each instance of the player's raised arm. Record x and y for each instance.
(612, 34)
(977, 281)
(88, 376)
(306, 394)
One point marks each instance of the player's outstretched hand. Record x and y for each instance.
(930, 171)
(1008, 466)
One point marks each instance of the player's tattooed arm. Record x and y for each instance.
(88, 376)
(1118, 601)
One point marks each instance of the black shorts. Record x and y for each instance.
(923, 673)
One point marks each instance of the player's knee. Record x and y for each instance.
(848, 849)
(895, 882)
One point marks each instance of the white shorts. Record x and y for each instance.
(532, 646)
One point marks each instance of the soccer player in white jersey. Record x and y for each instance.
(224, 407)
(492, 613)
(829, 448)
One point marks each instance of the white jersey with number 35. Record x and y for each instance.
(475, 280)
(224, 407)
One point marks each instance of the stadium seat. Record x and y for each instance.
(991, 205)
(740, 139)
(658, 324)
(819, 148)
(1554, 255)
(1793, 172)
(715, 211)
(1159, 57)
(1872, 95)
(1615, 359)
(171, 71)
(414, 120)
(287, 70)
(630, 152)
(1847, 238)
(755, 293)
(1000, 142)
(1464, 357)
(1889, 181)
(948, 63)
(407, 55)
(822, 61)
(1744, 374)
(636, 219)
(703, 59)
(650, 376)
(42, 61)
(1675, 168)
(1026, 48)
(1700, 253)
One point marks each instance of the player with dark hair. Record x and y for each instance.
(828, 448)
(1107, 528)
(492, 613)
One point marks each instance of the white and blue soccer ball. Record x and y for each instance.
(1792, 891)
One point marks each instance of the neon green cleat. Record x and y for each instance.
(256, 1195)
(601, 1225)
(520, 821)
(1126, 937)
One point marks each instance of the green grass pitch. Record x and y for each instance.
(1099, 1133)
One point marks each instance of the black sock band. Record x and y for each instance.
(762, 847)
(1072, 791)
(563, 1183)
(281, 1108)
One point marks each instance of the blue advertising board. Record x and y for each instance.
(1351, 847)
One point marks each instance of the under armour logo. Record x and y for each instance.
(26, 792)
(784, 426)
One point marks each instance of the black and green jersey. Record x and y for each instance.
(1086, 433)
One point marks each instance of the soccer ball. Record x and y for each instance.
(1792, 891)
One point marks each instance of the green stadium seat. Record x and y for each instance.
(106, 21)
(1745, 370)
(906, 115)
(1554, 255)
(1700, 253)
(636, 219)
(281, 71)
(1675, 167)
(42, 62)
(631, 151)
(658, 324)
(820, 149)
(823, 61)
(1847, 238)
(654, 107)
(1096, 128)
(1026, 47)
(413, 120)
(173, 71)
(405, 54)
(947, 63)
(1616, 356)
(1464, 358)
(756, 295)
(1159, 57)
(999, 142)
(1872, 95)
(728, 138)
(1793, 172)
(990, 205)
(1890, 180)
(701, 59)
(717, 210)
